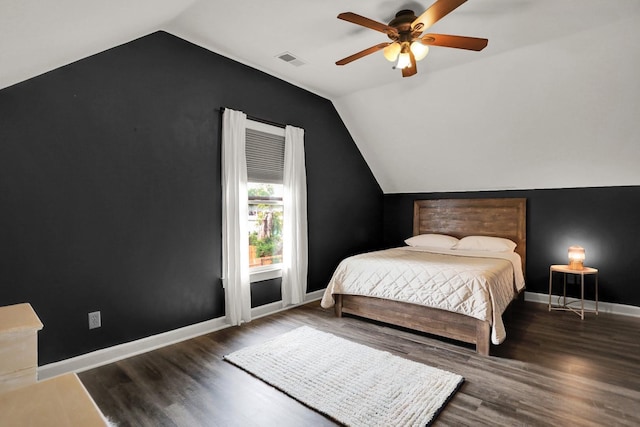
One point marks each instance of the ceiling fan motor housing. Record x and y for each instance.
(402, 23)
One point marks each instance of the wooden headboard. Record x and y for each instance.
(478, 217)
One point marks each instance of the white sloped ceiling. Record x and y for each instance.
(551, 102)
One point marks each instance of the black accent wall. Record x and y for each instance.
(604, 221)
(110, 193)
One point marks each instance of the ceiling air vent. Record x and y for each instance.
(291, 59)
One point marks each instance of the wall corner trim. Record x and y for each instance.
(108, 355)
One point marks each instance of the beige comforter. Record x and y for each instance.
(477, 284)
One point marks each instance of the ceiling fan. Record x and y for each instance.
(407, 44)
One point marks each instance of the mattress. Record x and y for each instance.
(476, 284)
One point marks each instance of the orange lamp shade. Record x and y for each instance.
(576, 257)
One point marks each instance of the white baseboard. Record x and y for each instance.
(603, 307)
(275, 307)
(118, 352)
(122, 351)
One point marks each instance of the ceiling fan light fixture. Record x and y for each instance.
(392, 51)
(419, 50)
(404, 61)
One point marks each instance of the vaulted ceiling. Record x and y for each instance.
(551, 102)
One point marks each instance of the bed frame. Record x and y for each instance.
(459, 218)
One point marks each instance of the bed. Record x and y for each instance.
(392, 304)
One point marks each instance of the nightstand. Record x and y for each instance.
(566, 306)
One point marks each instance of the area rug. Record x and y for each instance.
(351, 383)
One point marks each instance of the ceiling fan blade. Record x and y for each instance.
(362, 53)
(458, 42)
(413, 69)
(436, 11)
(368, 23)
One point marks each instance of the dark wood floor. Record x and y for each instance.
(553, 369)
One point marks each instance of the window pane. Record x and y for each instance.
(265, 224)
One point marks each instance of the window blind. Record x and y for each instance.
(265, 157)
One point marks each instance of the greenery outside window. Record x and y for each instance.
(265, 224)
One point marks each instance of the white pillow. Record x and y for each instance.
(485, 243)
(441, 241)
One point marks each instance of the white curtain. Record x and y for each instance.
(294, 236)
(235, 248)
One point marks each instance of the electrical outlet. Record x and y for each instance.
(94, 320)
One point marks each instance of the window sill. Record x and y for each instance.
(267, 272)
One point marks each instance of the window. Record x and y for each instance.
(237, 163)
(265, 224)
(265, 164)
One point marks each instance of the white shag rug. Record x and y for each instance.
(351, 383)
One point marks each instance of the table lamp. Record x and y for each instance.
(576, 258)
